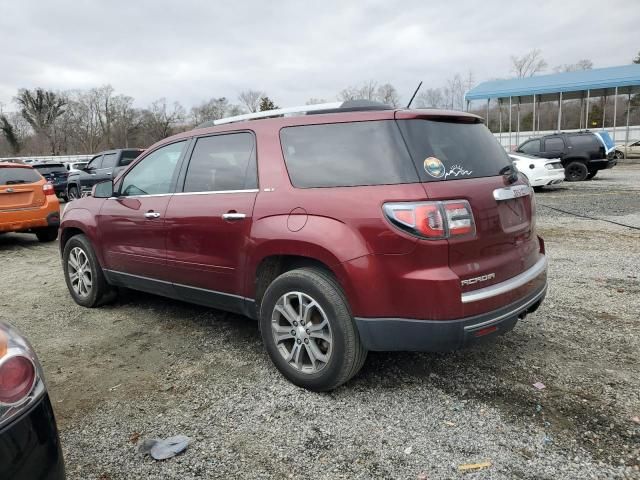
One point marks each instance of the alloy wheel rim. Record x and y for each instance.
(73, 194)
(79, 272)
(301, 332)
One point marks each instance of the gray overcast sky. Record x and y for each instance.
(191, 50)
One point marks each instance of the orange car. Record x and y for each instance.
(27, 202)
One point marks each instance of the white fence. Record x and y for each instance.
(517, 139)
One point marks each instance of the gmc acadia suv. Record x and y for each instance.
(340, 230)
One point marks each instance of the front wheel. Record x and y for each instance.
(73, 193)
(576, 172)
(619, 155)
(83, 274)
(308, 330)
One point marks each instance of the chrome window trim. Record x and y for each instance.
(217, 192)
(510, 284)
(141, 196)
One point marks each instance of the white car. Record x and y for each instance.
(76, 166)
(539, 171)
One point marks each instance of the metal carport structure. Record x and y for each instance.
(581, 85)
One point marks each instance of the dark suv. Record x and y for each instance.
(56, 174)
(340, 229)
(582, 153)
(103, 166)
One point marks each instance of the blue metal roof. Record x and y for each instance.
(596, 79)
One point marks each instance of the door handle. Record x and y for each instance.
(150, 215)
(233, 216)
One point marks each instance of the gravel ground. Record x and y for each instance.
(148, 367)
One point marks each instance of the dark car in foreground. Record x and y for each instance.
(343, 228)
(103, 166)
(29, 443)
(56, 174)
(582, 154)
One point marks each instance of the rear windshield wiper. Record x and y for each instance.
(510, 172)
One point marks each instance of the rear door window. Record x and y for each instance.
(222, 163)
(553, 144)
(18, 176)
(447, 150)
(346, 154)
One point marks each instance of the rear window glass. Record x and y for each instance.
(584, 141)
(50, 168)
(346, 154)
(129, 156)
(444, 150)
(16, 176)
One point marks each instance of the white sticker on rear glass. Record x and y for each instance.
(457, 171)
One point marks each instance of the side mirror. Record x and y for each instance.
(103, 189)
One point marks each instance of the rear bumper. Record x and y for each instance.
(29, 446)
(549, 177)
(393, 334)
(602, 164)
(22, 220)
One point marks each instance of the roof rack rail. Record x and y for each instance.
(333, 107)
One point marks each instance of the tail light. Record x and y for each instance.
(48, 189)
(21, 382)
(432, 220)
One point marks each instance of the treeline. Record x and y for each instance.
(86, 121)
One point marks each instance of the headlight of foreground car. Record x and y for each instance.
(21, 380)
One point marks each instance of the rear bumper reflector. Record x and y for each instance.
(503, 287)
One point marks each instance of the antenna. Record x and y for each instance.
(414, 94)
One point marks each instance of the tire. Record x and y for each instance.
(575, 172)
(537, 189)
(73, 193)
(325, 304)
(619, 155)
(47, 234)
(99, 291)
(592, 174)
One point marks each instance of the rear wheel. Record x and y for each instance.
(73, 192)
(576, 172)
(308, 330)
(83, 274)
(47, 234)
(592, 174)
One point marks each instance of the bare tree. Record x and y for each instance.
(160, 119)
(41, 108)
(430, 98)
(214, 109)
(251, 99)
(6, 127)
(366, 91)
(388, 95)
(529, 64)
(584, 64)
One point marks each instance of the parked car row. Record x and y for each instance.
(582, 154)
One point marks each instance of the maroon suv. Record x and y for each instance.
(341, 230)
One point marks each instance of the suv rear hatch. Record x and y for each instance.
(457, 158)
(19, 188)
(53, 172)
